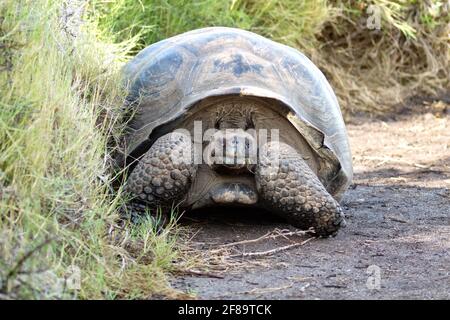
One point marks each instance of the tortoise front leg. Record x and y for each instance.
(287, 184)
(162, 177)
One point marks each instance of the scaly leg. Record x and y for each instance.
(162, 177)
(288, 186)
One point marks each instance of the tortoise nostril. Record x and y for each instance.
(232, 148)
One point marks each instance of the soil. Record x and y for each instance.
(398, 223)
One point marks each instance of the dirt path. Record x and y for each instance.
(398, 213)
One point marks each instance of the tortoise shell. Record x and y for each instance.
(168, 78)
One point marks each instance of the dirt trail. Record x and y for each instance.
(398, 214)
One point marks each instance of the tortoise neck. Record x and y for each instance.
(233, 122)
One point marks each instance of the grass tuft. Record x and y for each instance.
(60, 97)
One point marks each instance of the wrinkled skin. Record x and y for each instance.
(236, 169)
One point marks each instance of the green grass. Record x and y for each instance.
(153, 20)
(60, 97)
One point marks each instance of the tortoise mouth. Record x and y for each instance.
(234, 194)
(224, 186)
(234, 169)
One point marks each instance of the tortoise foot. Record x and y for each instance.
(160, 181)
(287, 184)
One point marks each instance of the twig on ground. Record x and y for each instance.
(272, 234)
(272, 251)
(200, 273)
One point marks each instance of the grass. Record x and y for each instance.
(60, 120)
(375, 70)
(60, 94)
(153, 20)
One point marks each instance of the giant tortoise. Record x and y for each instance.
(225, 117)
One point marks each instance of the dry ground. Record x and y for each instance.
(398, 214)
